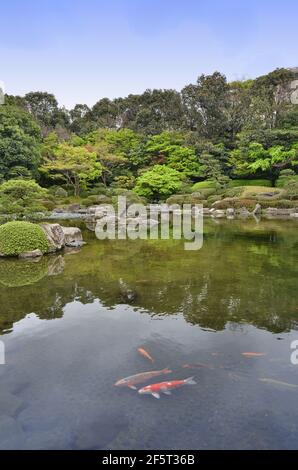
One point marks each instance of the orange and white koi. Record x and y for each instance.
(145, 354)
(165, 387)
(133, 380)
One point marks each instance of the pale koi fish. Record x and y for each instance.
(253, 354)
(145, 354)
(278, 383)
(165, 387)
(133, 380)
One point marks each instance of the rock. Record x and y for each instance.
(218, 213)
(58, 210)
(74, 207)
(207, 211)
(230, 211)
(30, 254)
(243, 212)
(294, 214)
(101, 211)
(280, 212)
(55, 236)
(73, 236)
(257, 209)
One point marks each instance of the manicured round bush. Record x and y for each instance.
(17, 237)
(204, 184)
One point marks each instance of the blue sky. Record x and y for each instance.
(83, 50)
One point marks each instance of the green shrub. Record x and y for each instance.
(233, 192)
(21, 197)
(48, 204)
(256, 182)
(279, 204)
(284, 181)
(287, 172)
(236, 203)
(96, 199)
(17, 237)
(204, 184)
(60, 192)
(292, 189)
(206, 192)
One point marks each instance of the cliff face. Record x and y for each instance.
(288, 93)
(293, 87)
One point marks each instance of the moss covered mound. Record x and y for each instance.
(17, 237)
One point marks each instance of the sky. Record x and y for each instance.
(84, 50)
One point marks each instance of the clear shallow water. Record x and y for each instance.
(72, 323)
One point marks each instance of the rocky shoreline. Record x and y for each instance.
(95, 212)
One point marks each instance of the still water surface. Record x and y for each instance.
(72, 323)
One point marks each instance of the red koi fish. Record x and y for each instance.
(133, 380)
(165, 387)
(145, 354)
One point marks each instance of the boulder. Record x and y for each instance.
(74, 207)
(55, 236)
(230, 211)
(30, 254)
(73, 236)
(294, 214)
(218, 213)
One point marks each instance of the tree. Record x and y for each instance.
(206, 105)
(158, 182)
(169, 148)
(75, 165)
(213, 160)
(19, 141)
(255, 158)
(44, 107)
(21, 197)
(267, 100)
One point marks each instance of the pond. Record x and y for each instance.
(72, 323)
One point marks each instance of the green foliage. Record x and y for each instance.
(169, 148)
(255, 158)
(17, 237)
(255, 182)
(236, 203)
(19, 142)
(75, 165)
(21, 197)
(60, 192)
(204, 184)
(158, 182)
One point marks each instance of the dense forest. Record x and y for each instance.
(154, 144)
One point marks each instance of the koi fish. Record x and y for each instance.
(165, 387)
(277, 382)
(145, 354)
(253, 354)
(197, 365)
(140, 378)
